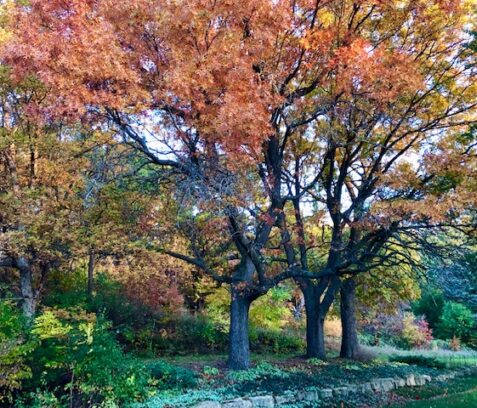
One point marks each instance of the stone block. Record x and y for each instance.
(399, 382)
(341, 392)
(264, 401)
(326, 393)
(365, 388)
(353, 389)
(376, 385)
(387, 384)
(311, 396)
(237, 403)
(284, 399)
(420, 380)
(411, 380)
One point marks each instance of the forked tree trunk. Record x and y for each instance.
(349, 339)
(315, 335)
(239, 348)
(26, 288)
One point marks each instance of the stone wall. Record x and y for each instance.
(312, 395)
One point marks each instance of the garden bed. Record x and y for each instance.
(297, 381)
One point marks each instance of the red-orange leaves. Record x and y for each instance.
(75, 51)
(225, 68)
(205, 59)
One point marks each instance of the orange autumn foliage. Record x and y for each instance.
(221, 67)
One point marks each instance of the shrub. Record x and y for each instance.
(384, 329)
(109, 300)
(454, 344)
(416, 332)
(172, 377)
(270, 311)
(39, 399)
(276, 341)
(78, 359)
(14, 350)
(457, 320)
(262, 370)
(196, 334)
(210, 371)
(430, 305)
(367, 339)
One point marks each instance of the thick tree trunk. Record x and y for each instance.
(315, 319)
(349, 339)
(239, 348)
(91, 263)
(26, 287)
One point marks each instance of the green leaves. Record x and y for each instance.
(14, 351)
(456, 320)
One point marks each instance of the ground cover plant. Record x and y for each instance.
(272, 375)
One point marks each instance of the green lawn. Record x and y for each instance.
(458, 393)
(463, 400)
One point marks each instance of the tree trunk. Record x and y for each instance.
(315, 319)
(91, 263)
(239, 348)
(349, 339)
(26, 287)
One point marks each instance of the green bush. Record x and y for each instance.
(367, 339)
(457, 320)
(430, 305)
(14, 351)
(276, 341)
(172, 377)
(66, 289)
(191, 334)
(270, 311)
(262, 370)
(78, 359)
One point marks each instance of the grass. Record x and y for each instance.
(449, 358)
(463, 400)
(458, 393)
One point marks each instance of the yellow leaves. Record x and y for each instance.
(48, 326)
(6, 9)
(88, 329)
(326, 18)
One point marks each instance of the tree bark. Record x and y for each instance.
(349, 339)
(91, 264)
(239, 348)
(315, 321)
(26, 287)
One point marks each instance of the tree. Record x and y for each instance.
(456, 321)
(384, 163)
(380, 290)
(253, 112)
(41, 168)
